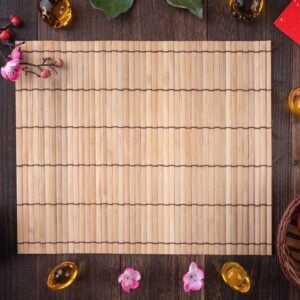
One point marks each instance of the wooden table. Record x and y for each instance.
(25, 276)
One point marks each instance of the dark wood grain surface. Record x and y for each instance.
(24, 277)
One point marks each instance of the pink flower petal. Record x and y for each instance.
(186, 277)
(3, 73)
(12, 63)
(193, 267)
(14, 77)
(120, 278)
(134, 284)
(129, 270)
(200, 274)
(186, 287)
(125, 287)
(196, 285)
(16, 53)
(136, 275)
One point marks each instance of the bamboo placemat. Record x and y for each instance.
(146, 147)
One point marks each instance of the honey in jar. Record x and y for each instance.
(294, 102)
(57, 13)
(62, 276)
(246, 10)
(236, 277)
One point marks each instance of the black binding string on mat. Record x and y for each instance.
(144, 166)
(148, 51)
(142, 243)
(137, 90)
(143, 127)
(147, 204)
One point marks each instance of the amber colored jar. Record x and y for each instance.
(57, 13)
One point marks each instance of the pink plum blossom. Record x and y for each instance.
(12, 70)
(193, 280)
(129, 279)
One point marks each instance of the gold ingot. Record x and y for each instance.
(236, 277)
(294, 102)
(62, 276)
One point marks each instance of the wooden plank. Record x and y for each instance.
(222, 26)
(8, 211)
(146, 20)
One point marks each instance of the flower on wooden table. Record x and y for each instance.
(129, 279)
(193, 280)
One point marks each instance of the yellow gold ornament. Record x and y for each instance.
(236, 277)
(62, 276)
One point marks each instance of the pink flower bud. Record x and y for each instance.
(5, 35)
(59, 63)
(45, 74)
(15, 20)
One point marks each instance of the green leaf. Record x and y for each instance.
(194, 6)
(112, 8)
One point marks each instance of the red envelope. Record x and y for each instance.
(289, 21)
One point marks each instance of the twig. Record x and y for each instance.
(3, 55)
(31, 72)
(11, 44)
(40, 66)
(5, 26)
(20, 44)
(53, 69)
(32, 65)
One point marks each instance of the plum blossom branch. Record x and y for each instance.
(14, 64)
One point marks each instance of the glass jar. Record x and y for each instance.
(57, 13)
